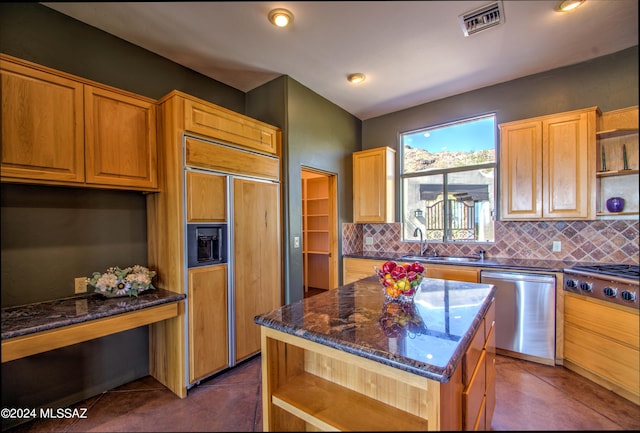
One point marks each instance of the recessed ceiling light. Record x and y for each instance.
(569, 5)
(356, 78)
(280, 17)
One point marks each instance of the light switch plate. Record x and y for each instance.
(556, 246)
(368, 240)
(296, 242)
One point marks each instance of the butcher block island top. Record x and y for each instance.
(347, 360)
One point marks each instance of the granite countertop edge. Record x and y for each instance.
(418, 368)
(491, 262)
(401, 363)
(28, 319)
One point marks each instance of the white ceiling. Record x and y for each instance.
(412, 52)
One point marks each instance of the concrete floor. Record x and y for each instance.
(530, 396)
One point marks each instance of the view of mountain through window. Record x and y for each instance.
(448, 181)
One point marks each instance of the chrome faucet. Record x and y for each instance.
(423, 244)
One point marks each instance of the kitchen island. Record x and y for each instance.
(347, 360)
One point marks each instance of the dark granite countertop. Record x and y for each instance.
(354, 319)
(491, 262)
(41, 316)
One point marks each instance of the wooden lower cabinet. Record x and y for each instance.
(356, 269)
(478, 377)
(208, 324)
(601, 342)
(312, 387)
(456, 273)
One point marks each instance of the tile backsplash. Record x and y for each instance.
(605, 241)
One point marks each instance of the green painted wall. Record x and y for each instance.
(316, 134)
(322, 136)
(609, 82)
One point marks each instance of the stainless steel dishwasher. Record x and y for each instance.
(525, 314)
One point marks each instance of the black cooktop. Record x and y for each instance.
(624, 271)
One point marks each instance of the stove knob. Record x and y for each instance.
(628, 296)
(610, 292)
(572, 284)
(587, 287)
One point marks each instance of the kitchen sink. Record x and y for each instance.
(459, 259)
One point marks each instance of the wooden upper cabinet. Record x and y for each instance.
(42, 125)
(521, 170)
(120, 139)
(569, 144)
(223, 124)
(547, 167)
(206, 197)
(374, 185)
(211, 156)
(59, 129)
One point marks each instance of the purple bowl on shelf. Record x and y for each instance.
(615, 204)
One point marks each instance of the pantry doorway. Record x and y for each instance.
(319, 230)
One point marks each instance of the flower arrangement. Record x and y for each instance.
(400, 281)
(121, 282)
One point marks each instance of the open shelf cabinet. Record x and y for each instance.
(617, 141)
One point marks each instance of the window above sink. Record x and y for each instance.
(448, 181)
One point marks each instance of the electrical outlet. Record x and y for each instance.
(296, 242)
(368, 240)
(556, 247)
(81, 284)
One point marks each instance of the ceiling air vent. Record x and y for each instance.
(482, 18)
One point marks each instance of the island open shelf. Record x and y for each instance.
(329, 390)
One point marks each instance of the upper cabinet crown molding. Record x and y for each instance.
(60, 129)
(548, 165)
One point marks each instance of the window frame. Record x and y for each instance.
(444, 172)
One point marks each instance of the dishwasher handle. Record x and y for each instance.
(517, 276)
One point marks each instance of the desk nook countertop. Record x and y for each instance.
(427, 367)
(41, 326)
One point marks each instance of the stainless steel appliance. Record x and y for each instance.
(206, 244)
(614, 283)
(525, 314)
